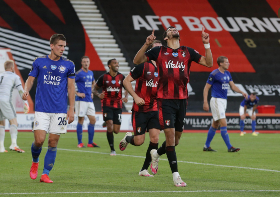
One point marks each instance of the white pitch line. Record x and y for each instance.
(189, 162)
(137, 192)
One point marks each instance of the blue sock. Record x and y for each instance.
(210, 136)
(90, 133)
(241, 125)
(225, 136)
(79, 132)
(35, 151)
(49, 160)
(253, 125)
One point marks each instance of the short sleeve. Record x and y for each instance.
(230, 78)
(210, 79)
(137, 71)
(77, 77)
(17, 81)
(92, 77)
(71, 71)
(195, 56)
(153, 53)
(34, 72)
(99, 82)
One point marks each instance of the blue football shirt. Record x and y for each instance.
(52, 80)
(220, 83)
(249, 103)
(84, 84)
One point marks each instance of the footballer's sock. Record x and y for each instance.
(90, 133)
(49, 160)
(79, 133)
(162, 149)
(130, 139)
(148, 158)
(13, 133)
(225, 136)
(210, 136)
(253, 125)
(110, 138)
(2, 137)
(172, 158)
(36, 151)
(242, 125)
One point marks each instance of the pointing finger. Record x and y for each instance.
(153, 32)
(203, 29)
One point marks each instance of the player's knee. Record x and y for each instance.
(81, 120)
(138, 141)
(154, 139)
(39, 142)
(116, 131)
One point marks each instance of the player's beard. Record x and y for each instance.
(176, 36)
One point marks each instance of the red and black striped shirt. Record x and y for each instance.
(112, 86)
(146, 77)
(173, 69)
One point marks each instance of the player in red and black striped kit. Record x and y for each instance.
(173, 63)
(111, 96)
(145, 109)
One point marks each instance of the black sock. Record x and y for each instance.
(162, 149)
(172, 159)
(148, 158)
(130, 139)
(110, 138)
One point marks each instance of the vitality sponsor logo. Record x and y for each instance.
(151, 83)
(178, 64)
(52, 80)
(111, 89)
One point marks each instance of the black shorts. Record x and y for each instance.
(172, 113)
(115, 114)
(143, 121)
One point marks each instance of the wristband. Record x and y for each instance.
(207, 46)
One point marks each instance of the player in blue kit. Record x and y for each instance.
(219, 81)
(249, 106)
(84, 104)
(55, 78)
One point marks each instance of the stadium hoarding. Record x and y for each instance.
(249, 38)
(194, 122)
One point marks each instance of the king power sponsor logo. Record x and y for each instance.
(52, 80)
(214, 24)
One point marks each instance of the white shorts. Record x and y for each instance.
(249, 111)
(7, 110)
(83, 108)
(55, 123)
(218, 108)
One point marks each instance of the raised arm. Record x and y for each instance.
(71, 96)
(128, 86)
(208, 59)
(140, 57)
(205, 96)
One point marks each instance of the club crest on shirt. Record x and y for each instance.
(113, 81)
(183, 53)
(53, 67)
(139, 129)
(156, 74)
(167, 122)
(175, 54)
(120, 82)
(105, 114)
(61, 69)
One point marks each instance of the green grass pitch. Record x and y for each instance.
(253, 171)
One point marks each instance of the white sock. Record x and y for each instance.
(13, 133)
(175, 175)
(2, 137)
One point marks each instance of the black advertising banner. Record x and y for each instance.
(264, 123)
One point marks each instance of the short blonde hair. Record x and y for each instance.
(8, 64)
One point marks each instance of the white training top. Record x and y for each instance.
(8, 81)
